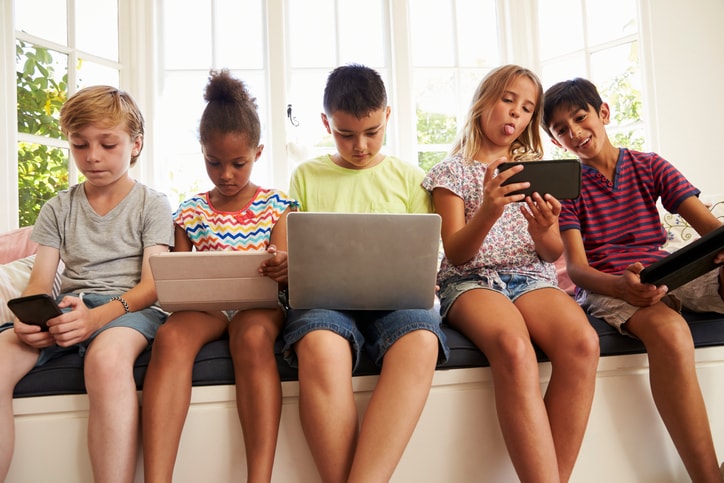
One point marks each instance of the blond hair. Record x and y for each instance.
(106, 106)
(528, 145)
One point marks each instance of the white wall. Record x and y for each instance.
(686, 51)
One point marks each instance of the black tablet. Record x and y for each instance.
(558, 177)
(687, 263)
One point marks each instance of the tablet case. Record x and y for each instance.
(687, 263)
(213, 280)
(558, 177)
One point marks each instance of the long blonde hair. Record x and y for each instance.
(469, 140)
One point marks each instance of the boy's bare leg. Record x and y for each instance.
(16, 360)
(167, 387)
(113, 403)
(326, 402)
(395, 406)
(675, 388)
(252, 335)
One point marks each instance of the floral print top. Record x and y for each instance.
(508, 247)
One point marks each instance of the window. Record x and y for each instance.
(430, 53)
(226, 33)
(452, 48)
(601, 43)
(54, 58)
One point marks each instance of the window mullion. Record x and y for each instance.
(400, 72)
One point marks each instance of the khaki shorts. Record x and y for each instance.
(699, 295)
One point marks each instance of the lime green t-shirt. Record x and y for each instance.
(392, 186)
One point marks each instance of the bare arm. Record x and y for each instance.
(542, 216)
(698, 215)
(626, 286)
(462, 240)
(276, 268)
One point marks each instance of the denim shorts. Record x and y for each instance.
(371, 330)
(146, 321)
(512, 285)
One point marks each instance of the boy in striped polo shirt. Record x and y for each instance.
(610, 233)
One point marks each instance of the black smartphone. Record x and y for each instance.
(35, 309)
(558, 177)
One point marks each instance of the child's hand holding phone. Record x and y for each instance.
(35, 309)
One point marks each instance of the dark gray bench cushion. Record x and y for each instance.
(213, 366)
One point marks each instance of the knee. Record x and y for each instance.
(103, 365)
(672, 339)
(322, 350)
(422, 342)
(516, 354)
(252, 343)
(176, 339)
(585, 347)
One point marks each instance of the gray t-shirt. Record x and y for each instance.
(103, 254)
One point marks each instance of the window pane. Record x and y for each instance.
(97, 27)
(187, 34)
(436, 106)
(91, 73)
(41, 89)
(239, 43)
(432, 28)
(563, 69)
(477, 28)
(560, 26)
(180, 106)
(307, 90)
(617, 75)
(312, 40)
(365, 49)
(46, 19)
(42, 171)
(610, 20)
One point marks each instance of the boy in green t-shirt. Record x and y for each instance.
(326, 344)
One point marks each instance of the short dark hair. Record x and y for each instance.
(354, 89)
(575, 93)
(230, 109)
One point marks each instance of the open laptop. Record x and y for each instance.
(687, 263)
(215, 280)
(358, 261)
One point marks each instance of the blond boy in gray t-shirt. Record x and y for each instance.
(104, 230)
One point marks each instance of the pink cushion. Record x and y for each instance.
(16, 244)
(564, 281)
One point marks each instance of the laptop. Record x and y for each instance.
(214, 280)
(360, 261)
(687, 263)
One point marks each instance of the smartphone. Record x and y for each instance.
(35, 309)
(560, 178)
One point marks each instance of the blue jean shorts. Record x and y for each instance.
(512, 285)
(371, 330)
(146, 321)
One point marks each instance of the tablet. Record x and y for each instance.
(687, 263)
(560, 178)
(213, 280)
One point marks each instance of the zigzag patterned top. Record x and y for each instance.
(247, 229)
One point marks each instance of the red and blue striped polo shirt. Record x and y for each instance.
(619, 222)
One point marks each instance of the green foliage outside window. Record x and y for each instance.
(434, 128)
(42, 169)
